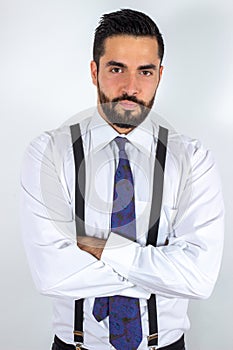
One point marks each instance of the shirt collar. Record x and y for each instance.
(102, 134)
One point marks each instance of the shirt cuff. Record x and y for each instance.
(119, 253)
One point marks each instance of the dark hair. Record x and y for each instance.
(125, 22)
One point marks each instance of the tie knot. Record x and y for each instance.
(121, 141)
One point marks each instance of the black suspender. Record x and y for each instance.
(153, 227)
(79, 216)
(156, 204)
(80, 177)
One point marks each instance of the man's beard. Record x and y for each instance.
(126, 119)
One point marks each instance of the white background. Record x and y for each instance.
(45, 50)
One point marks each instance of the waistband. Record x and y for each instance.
(178, 345)
(61, 345)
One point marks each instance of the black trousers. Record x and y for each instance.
(60, 345)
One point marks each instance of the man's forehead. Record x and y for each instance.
(120, 47)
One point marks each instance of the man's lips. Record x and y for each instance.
(128, 104)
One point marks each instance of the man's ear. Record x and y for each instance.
(160, 72)
(93, 67)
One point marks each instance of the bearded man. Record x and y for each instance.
(122, 218)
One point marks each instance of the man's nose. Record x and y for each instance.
(131, 85)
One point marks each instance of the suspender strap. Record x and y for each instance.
(153, 227)
(157, 194)
(157, 197)
(79, 216)
(80, 177)
(78, 321)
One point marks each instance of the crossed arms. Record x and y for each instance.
(187, 267)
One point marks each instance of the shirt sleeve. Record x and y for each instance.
(188, 266)
(58, 266)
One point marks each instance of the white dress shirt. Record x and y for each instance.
(191, 221)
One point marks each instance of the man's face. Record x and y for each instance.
(127, 79)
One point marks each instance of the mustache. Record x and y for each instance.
(128, 98)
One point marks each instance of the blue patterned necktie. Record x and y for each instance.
(125, 331)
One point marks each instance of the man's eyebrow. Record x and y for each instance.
(147, 66)
(116, 64)
(122, 65)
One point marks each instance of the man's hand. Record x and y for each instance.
(91, 245)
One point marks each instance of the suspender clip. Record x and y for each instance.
(78, 333)
(152, 336)
(78, 346)
(79, 340)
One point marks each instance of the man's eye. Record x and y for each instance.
(116, 70)
(147, 73)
